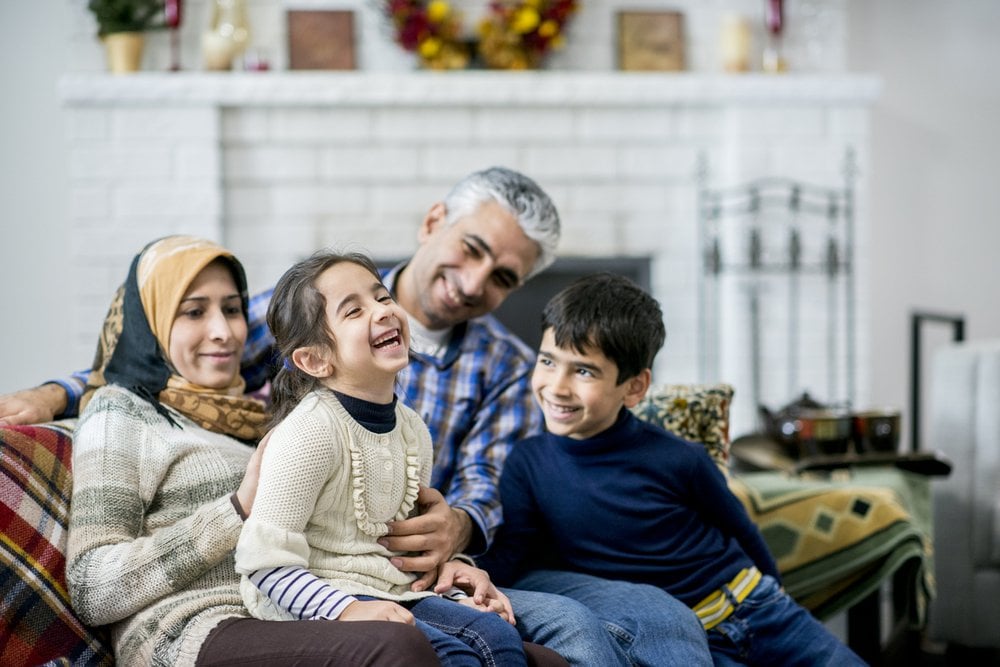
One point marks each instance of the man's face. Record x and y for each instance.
(466, 269)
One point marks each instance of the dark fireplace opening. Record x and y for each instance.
(521, 312)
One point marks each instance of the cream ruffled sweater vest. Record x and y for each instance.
(327, 488)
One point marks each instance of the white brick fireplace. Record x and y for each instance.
(275, 165)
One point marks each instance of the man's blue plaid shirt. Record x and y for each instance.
(476, 401)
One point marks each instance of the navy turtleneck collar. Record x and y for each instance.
(376, 417)
(610, 438)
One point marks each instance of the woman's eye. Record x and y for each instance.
(234, 310)
(472, 250)
(193, 313)
(385, 299)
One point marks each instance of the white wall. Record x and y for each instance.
(34, 188)
(932, 201)
(934, 205)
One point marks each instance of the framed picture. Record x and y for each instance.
(650, 41)
(320, 39)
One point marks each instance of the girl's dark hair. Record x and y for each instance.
(611, 313)
(296, 317)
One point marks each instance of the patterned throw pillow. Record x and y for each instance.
(695, 412)
(37, 624)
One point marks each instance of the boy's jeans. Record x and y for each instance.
(649, 626)
(770, 628)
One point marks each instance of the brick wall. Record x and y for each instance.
(277, 166)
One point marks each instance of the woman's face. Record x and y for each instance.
(209, 330)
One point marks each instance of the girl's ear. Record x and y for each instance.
(636, 387)
(313, 361)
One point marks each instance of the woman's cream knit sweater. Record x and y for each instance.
(152, 528)
(327, 488)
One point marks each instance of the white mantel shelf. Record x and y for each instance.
(524, 89)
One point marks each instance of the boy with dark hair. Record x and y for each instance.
(603, 493)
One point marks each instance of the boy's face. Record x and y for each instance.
(578, 392)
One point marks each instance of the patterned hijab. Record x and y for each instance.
(132, 350)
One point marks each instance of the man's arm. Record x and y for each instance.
(56, 398)
(503, 419)
(258, 364)
(474, 494)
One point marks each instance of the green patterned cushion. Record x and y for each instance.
(695, 412)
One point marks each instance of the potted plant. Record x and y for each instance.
(121, 24)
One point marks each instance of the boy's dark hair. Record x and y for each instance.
(296, 317)
(611, 313)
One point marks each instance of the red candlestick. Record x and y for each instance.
(172, 9)
(774, 16)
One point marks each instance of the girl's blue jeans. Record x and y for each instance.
(466, 637)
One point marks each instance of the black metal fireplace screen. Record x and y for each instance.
(778, 279)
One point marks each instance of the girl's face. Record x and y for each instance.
(209, 330)
(371, 335)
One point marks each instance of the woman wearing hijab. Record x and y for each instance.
(164, 473)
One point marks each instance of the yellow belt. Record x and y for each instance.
(718, 606)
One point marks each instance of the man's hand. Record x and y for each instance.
(437, 534)
(32, 406)
(476, 583)
(376, 610)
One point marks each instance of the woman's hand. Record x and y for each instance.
(376, 610)
(248, 487)
(476, 583)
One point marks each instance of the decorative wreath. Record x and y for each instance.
(515, 34)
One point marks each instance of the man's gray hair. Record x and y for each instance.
(520, 195)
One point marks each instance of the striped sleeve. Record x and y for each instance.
(73, 385)
(301, 593)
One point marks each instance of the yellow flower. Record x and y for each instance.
(437, 11)
(525, 20)
(548, 28)
(429, 48)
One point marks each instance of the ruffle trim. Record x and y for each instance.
(359, 489)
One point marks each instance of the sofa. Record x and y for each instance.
(964, 402)
(835, 541)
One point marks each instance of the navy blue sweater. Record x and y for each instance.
(633, 503)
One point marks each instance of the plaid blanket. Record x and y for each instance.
(37, 624)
